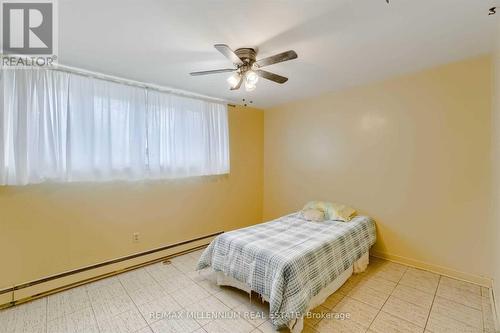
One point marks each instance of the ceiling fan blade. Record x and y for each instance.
(285, 56)
(228, 53)
(271, 76)
(215, 71)
(236, 87)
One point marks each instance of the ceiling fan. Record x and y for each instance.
(248, 69)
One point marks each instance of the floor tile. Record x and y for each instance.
(158, 309)
(315, 315)
(369, 296)
(145, 330)
(421, 280)
(31, 316)
(209, 286)
(237, 325)
(333, 300)
(441, 324)
(176, 283)
(81, 321)
(196, 276)
(127, 322)
(29, 329)
(340, 326)
(200, 330)
(390, 271)
(350, 284)
(357, 311)
(136, 279)
(267, 327)
(460, 285)
(410, 312)
(208, 309)
(161, 272)
(460, 296)
(414, 296)
(386, 323)
(107, 292)
(232, 297)
(178, 325)
(185, 264)
(255, 312)
(457, 311)
(147, 294)
(189, 295)
(109, 308)
(67, 302)
(208, 274)
(378, 284)
(415, 272)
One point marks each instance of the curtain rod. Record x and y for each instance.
(116, 79)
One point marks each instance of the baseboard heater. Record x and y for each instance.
(14, 288)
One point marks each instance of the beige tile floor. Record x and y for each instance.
(388, 297)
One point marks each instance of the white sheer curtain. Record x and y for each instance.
(64, 127)
(186, 136)
(107, 126)
(33, 126)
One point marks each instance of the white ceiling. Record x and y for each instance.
(340, 43)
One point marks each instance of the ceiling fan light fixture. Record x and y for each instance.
(249, 86)
(251, 78)
(233, 80)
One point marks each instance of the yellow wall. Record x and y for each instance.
(412, 152)
(47, 229)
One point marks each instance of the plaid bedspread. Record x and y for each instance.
(289, 260)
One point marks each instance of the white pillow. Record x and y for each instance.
(340, 212)
(314, 215)
(332, 210)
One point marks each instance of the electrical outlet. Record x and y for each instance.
(135, 237)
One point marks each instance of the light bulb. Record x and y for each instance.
(233, 80)
(249, 86)
(251, 78)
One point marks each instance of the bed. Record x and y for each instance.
(294, 264)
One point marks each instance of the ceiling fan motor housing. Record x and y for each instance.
(246, 54)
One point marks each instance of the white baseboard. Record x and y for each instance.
(467, 277)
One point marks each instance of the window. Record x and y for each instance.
(58, 126)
